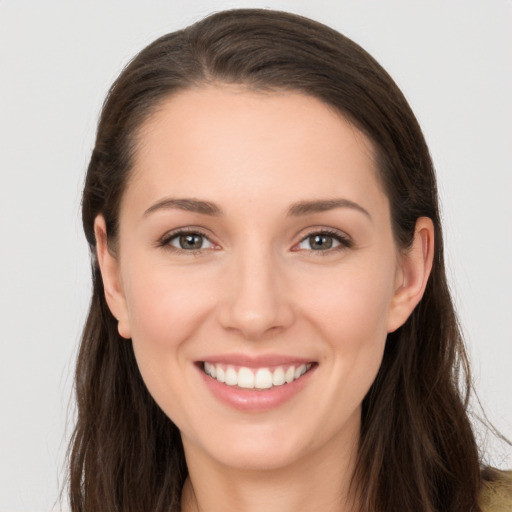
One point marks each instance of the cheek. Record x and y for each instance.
(164, 314)
(164, 307)
(354, 308)
(352, 317)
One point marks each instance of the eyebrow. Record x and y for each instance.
(189, 205)
(296, 210)
(322, 205)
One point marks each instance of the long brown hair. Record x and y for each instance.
(417, 450)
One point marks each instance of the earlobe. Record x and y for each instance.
(415, 268)
(111, 276)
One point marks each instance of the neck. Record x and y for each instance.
(320, 481)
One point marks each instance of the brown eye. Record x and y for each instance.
(324, 241)
(320, 242)
(189, 241)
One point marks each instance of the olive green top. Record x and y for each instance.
(496, 495)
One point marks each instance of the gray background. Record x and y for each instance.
(452, 59)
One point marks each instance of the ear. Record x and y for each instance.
(111, 276)
(414, 270)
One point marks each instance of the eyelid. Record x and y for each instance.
(164, 241)
(345, 241)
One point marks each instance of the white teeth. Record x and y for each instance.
(278, 377)
(210, 369)
(231, 377)
(301, 370)
(245, 378)
(262, 378)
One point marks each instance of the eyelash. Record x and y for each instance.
(165, 241)
(345, 242)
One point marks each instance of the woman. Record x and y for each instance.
(270, 325)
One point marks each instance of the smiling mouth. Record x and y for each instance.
(255, 378)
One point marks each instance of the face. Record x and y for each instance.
(256, 248)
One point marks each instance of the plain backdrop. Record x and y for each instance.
(453, 59)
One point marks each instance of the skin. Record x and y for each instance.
(259, 286)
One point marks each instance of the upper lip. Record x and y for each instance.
(259, 361)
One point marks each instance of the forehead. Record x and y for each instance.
(261, 114)
(233, 142)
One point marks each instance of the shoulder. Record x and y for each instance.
(496, 493)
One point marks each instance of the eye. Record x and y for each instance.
(187, 241)
(324, 241)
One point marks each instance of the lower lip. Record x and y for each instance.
(252, 400)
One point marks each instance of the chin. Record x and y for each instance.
(253, 447)
(258, 458)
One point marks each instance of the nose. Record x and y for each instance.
(255, 299)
